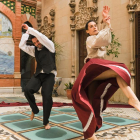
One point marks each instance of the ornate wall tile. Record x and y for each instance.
(9, 4)
(28, 9)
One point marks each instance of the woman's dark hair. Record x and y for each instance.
(86, 27)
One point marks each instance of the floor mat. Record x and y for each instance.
(65, 125)
(21, 101)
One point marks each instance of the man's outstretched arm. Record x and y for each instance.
(26, 48)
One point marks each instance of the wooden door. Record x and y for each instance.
(137, 52)
(82, 48)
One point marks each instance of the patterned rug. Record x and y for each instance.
(65, 125)
(21, 101)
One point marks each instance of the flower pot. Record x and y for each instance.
(69, 93)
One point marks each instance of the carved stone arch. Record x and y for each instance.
(83, 15)
(10, 15)
(134, 5)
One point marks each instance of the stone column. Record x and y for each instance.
(52, 14)
(131, 9)
(72, 26)
(17, 38)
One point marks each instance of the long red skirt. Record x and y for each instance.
(90, 115)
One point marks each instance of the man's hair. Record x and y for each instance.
(32, 36)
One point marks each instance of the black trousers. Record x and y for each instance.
(47, 83)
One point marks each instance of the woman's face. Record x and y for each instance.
(92, 28)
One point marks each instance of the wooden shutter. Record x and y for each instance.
(137, 56)
(82, 48)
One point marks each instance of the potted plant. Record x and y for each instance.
(68, 88)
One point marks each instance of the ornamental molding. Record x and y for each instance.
(32, 3)
(47, 28)
(134, 5)
(95, 1)
(84, 14)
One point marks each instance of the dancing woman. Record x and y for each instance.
(99, 79)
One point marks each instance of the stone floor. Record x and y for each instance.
(119, 123)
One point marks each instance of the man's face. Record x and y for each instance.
(37, 43)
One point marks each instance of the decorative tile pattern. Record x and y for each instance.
(25, 9)
(9, 4)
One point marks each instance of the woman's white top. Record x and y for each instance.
(95, 44)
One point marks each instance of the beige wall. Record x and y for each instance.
(121, 27)
(120, 24)
(63, 32)
(62, 36)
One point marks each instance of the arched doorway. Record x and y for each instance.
(82, 47)
(27, 62)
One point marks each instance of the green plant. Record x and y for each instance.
(113, 48)
(58, 49)
(68, 86)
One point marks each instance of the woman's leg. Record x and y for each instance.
(123, 85)
(133, 100)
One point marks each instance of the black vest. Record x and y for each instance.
(45, 61)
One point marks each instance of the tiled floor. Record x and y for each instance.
(65, 125)
(15, 124)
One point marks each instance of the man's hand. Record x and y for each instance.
(105, 12)
(25, 26)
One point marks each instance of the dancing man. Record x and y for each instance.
(44, 52)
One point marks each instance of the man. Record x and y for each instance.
(44, 52)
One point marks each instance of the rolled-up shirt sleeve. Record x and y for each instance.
(42, 39)
(26, 48)
(102, 39)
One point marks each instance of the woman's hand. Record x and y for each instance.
(107, 20)
(105, 12)
(25, 26)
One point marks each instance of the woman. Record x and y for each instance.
(99, 79)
